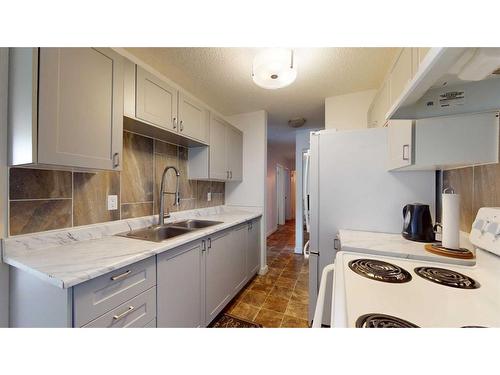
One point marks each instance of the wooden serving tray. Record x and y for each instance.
(451, 253)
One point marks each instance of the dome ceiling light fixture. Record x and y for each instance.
(274, 68)
(296, 122)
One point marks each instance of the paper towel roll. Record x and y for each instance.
(451, 221)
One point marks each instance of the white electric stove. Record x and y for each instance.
(373, 290)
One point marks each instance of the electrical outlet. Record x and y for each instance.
(209, 196)
(112, 202)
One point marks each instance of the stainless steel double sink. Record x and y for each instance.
(159, 233)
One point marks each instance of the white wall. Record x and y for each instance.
(348, 111)
(251, 192)
(276, 154)
(4, 271)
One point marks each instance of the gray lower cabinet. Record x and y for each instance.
(180, 281)
(187, 286)
(218, 288)
(135, 313)
(253, 248)
(238, 245)
(100, 295)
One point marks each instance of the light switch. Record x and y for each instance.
(209, 196)
(112, 202)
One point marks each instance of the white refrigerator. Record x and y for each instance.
(350, 188)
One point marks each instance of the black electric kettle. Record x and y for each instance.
(417, 223)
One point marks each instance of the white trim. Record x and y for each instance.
(273, 230)
(263, 270)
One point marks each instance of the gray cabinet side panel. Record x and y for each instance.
(36, 303)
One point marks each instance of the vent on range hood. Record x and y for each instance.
(452, 81)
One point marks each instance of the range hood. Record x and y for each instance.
(451, 81)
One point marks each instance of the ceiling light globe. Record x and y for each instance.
(274, 68)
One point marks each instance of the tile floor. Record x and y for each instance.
(280, 298)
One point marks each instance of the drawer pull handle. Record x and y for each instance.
(124, 314)
(121, 276)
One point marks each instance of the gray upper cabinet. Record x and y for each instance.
(218, 288)
(156, 100)
(218, 163)
(234, 150)
(75, 100)
(193, 118)
(253, 248)
(180, 277)
(223, 160)
(155, 108)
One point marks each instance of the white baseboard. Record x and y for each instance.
(271, 231)
(263, 270)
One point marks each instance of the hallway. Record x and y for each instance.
(280, 298)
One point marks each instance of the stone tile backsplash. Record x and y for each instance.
(478, 187)
(42, 200)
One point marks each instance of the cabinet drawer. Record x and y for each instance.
(151, 324)
(137, 312)
(100, 295)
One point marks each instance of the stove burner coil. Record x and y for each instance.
(382, 321)
(447, 277)
(380, 271)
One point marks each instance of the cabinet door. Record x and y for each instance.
(193, 118)
(80, 119)
(179, 284)
(238, 246)
(379, 108)
(401, 74)
(156, 100)
(217, 275)
(253, 248)
(400, 143)
(234, 144)
(218, 169)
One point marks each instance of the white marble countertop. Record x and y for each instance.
(393, 244)
(69, 257)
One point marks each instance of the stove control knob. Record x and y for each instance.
(486, 224)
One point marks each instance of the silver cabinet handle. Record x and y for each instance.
(116, 159)
(209, 243)
(182, 125)
(227, 172)
(203, 245)
(124, 314)
(406, 152)
(121, 276)
(174, 122)
(230, 175)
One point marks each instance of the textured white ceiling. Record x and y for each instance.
(221, 77)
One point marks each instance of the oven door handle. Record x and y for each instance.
(320, 304)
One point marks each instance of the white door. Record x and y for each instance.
(80, 108)
(280, 194)
(288, 200)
